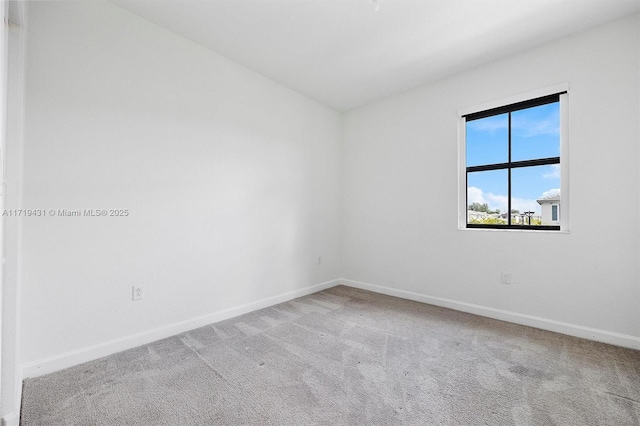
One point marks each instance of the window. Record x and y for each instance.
(512, 164)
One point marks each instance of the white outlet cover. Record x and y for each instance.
(505, 278)
(137, 292)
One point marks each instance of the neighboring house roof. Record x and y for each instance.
(548, 199)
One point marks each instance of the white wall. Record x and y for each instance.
(400, 191)
(232, 181)
(233, 184)
(11, 383)
(11, 371)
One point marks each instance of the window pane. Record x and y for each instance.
(535, 132)
(487, 197)
(533, 191)
(488, 140)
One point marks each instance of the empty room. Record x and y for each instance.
(305, 212)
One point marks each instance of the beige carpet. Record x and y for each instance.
(346, 356)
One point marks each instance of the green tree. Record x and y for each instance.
(477, 207)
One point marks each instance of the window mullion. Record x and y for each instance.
(509, 176)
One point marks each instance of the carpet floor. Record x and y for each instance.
(348, 357)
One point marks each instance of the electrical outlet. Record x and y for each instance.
(505, 278)
(137, 292)
(319, 260)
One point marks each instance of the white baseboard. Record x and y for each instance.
(69, 359)
(12, 419)
(79, 356)
(612, 338)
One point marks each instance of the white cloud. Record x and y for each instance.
(497, 201)
(474, 195)
(526, 127)
(549, 193)
(554, 173)
(537, 128)
(489, 124)
(525, 205)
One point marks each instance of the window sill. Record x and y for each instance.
(528, 231)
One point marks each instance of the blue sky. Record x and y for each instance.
(535, 134)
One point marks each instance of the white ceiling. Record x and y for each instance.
(344, 53)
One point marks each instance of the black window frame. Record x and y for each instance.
(509, 165)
